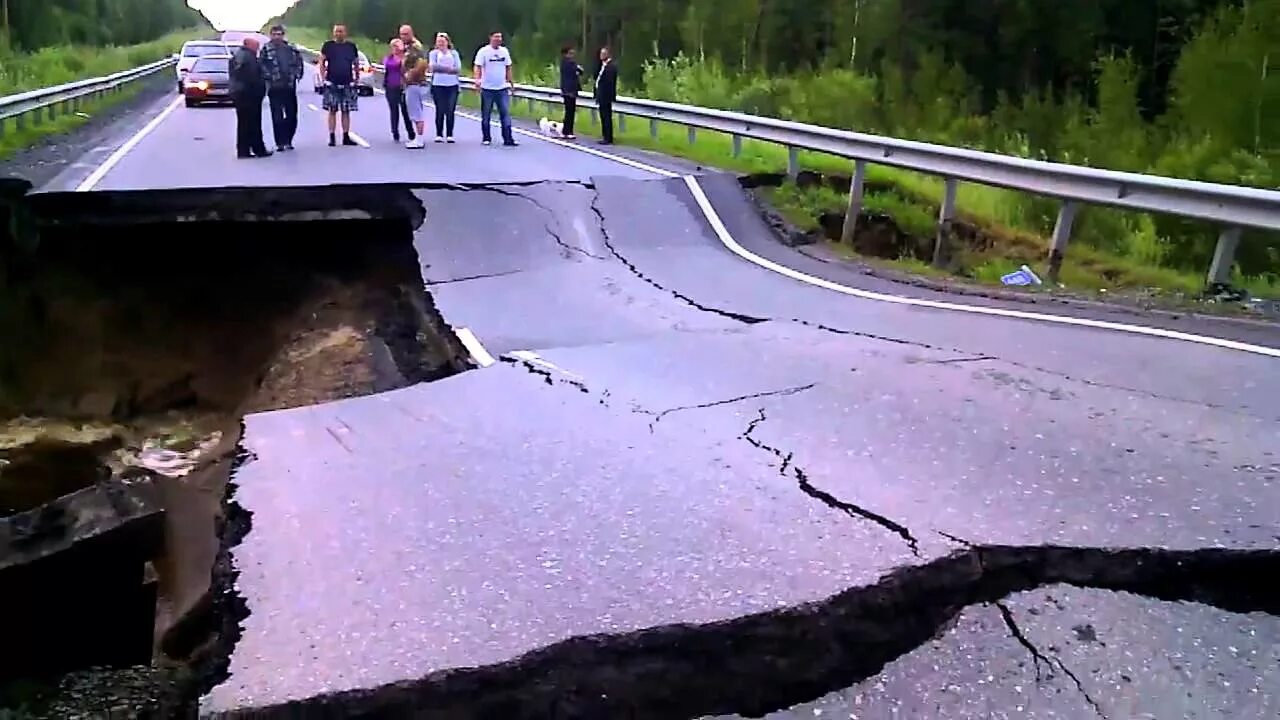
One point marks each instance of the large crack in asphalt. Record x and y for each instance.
(768, 661)
(1038, 657)
(808, 488)
(550, 224)
(613, 250)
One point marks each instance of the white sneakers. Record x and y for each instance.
(418, 143)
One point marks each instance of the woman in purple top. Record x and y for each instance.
(393, 83)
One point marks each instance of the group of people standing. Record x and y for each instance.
(412, 74)
(408, 73)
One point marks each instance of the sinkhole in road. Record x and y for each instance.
(131, 353)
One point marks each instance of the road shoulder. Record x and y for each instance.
(744, 220)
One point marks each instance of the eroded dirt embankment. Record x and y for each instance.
(133, 344)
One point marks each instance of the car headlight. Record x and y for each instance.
(199, 85)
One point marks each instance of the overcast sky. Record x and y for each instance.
(240, 14)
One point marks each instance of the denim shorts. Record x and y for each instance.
(414, 97)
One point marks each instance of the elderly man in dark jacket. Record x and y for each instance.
(248, 88)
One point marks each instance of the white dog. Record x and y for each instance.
(551, 127)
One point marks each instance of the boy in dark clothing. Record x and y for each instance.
(248, 87)
(570, 86)
(282, 65)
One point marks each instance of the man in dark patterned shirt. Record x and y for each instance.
(282, 66)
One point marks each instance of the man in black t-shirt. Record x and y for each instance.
(339, 71)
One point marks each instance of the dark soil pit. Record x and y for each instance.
(132, 352)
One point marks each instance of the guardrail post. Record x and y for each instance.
(622, 123)
(653, 128)
(1224, 256)
(692, 133)
(20, 122)
(529, 102)
(946, 213)
(737, 145)
(855, 202)
(1061, 236)
(793, 162)
(595, 117)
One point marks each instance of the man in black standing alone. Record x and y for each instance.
(282, 66)
(248, 88)
(570, 85)
(606, 91)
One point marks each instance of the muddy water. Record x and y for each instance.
(136, 360)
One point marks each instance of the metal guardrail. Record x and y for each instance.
(1232, 207)
(36, 105)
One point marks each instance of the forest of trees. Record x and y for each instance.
(1188, 88)
(34, 24)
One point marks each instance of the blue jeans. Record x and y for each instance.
(501, 98)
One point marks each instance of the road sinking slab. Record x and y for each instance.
(470, 520)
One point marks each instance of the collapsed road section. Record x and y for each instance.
(138, 328)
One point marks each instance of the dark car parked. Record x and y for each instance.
(208, 81)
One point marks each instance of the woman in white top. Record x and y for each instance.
(445, 65)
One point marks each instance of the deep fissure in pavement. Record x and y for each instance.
(769, 661)
(822, 496)
(135, 340)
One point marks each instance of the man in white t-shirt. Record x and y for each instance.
(493, 78)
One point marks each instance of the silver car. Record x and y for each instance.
(193, 50)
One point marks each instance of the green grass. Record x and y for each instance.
(912, 199)
(15, 140)
(58, 65)
(20, 72)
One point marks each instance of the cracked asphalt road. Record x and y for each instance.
(681, 441)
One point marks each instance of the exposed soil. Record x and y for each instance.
(133, 359)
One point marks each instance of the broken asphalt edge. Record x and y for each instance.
(767, 661)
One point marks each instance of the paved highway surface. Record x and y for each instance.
(663, 431)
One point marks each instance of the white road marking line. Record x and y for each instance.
(717, 225)
(580, 148)
(311, 106)
(114, 158)
(722, 233)
(532, 357)
(473, 346)
(358, 140)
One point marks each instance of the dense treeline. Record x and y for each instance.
(33, 24)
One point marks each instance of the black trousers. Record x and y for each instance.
(284, 114)
(249, 124)
(606, 119)
(570, 112)
(399, 109)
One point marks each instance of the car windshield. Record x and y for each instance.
(212, 64)
(201, 50)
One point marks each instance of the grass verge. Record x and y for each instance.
(1014, 231)
(46, 67)
(15, 140)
